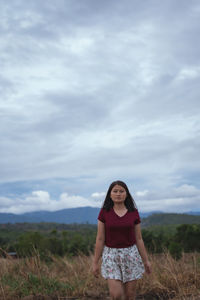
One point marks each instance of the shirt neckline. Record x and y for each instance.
(118, 215)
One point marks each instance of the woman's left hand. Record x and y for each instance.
(147, 266)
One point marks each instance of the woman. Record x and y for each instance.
(118, 241)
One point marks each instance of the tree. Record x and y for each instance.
(29, 243)
(188, 235)
(175, 250)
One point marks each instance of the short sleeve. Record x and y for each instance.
(101, 216)
(137, 217)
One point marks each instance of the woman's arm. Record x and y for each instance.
(141, 248)
(100, 241)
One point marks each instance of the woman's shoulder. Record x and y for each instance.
(102, 215)
(136, 216)
(103, 210)
(133, 211)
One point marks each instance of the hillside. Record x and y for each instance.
(170, 219)
(64, 216)
(83, 215)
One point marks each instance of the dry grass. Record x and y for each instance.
(173, 279)
(67, 278)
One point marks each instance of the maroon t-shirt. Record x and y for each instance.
(119, 231)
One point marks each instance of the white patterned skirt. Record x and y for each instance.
(123, 264)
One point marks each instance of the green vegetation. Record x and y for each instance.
(170, 219)
(47, 239)
(71, 239)
(177, 239)
(34, 284)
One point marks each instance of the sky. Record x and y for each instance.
(96, 91)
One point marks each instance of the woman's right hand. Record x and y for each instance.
(95, 269)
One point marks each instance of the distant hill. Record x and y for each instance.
(170, 219)
(89, 215)
(65, 216)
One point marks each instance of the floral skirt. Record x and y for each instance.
(123, 264)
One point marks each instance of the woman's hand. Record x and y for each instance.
(95, 269)
(147, 266)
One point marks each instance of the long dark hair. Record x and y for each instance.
(129, 201)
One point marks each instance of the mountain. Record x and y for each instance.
(195, 213)
(65, 216)
(89, 215)
(170, 219)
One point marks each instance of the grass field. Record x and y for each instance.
(71, 278)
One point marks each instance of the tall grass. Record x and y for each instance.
(71, 278)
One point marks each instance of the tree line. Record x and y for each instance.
(78, 238)
(185, 238)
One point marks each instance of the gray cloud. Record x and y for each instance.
(99, 91)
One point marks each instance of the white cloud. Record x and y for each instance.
(41, 200)
(37, 197)
(75, 201)
(189, 73)
(186, 190)
(141, 193)
(6, 202)
(181, 199)
(98, 195)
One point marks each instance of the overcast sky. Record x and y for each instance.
(94, 91)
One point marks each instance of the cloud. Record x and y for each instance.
(41, 200)
(99, 91)
(98, 195)
(184, 198)
(189, 73)
(141, 193)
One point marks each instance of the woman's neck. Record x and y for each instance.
(119, 206)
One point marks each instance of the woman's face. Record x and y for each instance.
(118, 194)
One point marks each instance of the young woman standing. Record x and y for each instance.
(119, 242)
